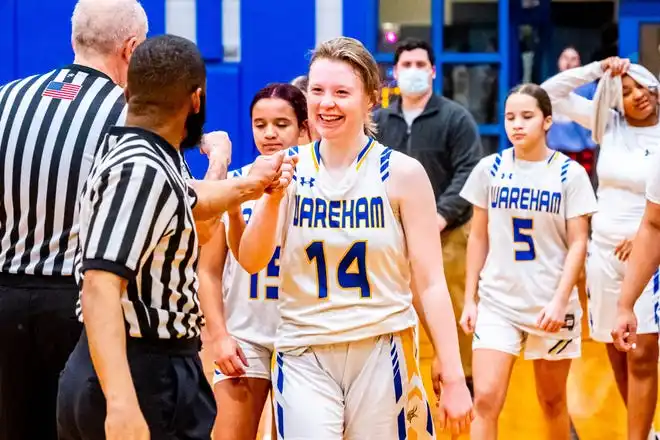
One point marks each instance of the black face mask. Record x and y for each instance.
(195, 126)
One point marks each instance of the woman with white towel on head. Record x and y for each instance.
(623, 117)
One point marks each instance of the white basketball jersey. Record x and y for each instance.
(250, 300)
(345, 274)
(528, 206)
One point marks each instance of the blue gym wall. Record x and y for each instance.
(35, 37)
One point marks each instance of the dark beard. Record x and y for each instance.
(195, 126)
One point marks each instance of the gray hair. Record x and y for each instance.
(103, 26)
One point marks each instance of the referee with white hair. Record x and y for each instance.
(51, 126)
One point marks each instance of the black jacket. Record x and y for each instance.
(445, 139)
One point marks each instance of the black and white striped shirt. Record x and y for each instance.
(51, 126)
(136, 221)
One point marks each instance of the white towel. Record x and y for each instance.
(609, 95)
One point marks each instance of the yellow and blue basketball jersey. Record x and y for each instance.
(345, 274)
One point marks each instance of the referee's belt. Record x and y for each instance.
(175, 347)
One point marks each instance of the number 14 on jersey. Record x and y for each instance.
(351, 270)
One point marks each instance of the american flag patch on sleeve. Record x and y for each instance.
(61, 90)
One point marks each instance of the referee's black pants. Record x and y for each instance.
(38, 331)
(175, 397)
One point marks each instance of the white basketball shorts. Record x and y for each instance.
(364, 390)
(495, 332)
(605, 274)
(259, 362)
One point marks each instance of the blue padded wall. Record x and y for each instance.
(42, 40)
(222, 113)
(276, 38)
(39, 50)
(8, 41)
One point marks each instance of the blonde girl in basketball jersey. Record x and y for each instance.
(527, 245)
(624, 119)
(354, 240)
(245, 317)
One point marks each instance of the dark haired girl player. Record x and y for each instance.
(243, 321)
(527, 245)
(629, 137)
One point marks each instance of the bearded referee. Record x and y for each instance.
(136, 371)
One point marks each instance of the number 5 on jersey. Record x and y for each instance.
(270, 287)
(522, 234)
(351, 271)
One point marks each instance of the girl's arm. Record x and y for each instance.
(259, 239)
(211, 266)
(577, 231)
(236, 230)
(224, 350)
(553, 316)
(257, 245)
(477, 251)
(579, 203)
(475, 191)
(411, 190)
(565, 101)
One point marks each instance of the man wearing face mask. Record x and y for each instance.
(135, 372)
(444, 137)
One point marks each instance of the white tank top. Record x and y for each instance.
(250, 301)
(345, 273)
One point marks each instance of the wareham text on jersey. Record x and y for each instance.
(528, 199)
(362, 212)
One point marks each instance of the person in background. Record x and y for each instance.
(524, 258)
(242, 314)
(309, 135)
(568, 136)
(443, 136)
(301, 82)
(624, 119)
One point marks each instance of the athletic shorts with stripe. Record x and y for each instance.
(495, 332)
(364, 390)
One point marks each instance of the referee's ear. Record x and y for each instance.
(197, 100)
(129, 47)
